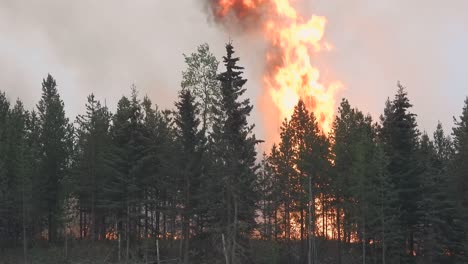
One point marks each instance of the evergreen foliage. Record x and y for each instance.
(186, 185)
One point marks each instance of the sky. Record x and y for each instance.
(105, 46)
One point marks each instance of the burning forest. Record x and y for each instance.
(134, 182)
(292, 43)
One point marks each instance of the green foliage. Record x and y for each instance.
(200, 78)
(235, 148)
(186, 179)
(399, 135)
(56, 146)
(460, 169)
(92, 170)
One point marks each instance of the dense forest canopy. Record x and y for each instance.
(187, 185)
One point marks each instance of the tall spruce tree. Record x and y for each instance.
(359, 182)
(282, 161)
(33, 160)
(189, 137)
(238, 155)
(55, 138)
(91, 169)
(124, 191)
(4, 193)
(12, 175)
(302, 125)
(439, 221)
(460, 166)
(400, 137)
(312, 163)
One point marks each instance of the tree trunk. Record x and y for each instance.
(224, 249)
(146, 221)
(324, 229)
(127, 233)
(94, 231)
(117, 227)
(157, 252)
(364, 241)
(312, 256)
(275, 220)
(24, 226)
(157, 227)
(411, 244)
(85, 224)
(51, 227)
(338, 223)
(234, 233)
(66, 242)
(302, 222)
(383, 230)
(186, 221)
(164, 225)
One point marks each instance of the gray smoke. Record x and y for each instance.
(421, 43)
(104, 46)
(99, 46)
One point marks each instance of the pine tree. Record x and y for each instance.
(12, 174)
(189, 138)
(55, 138)
(33, 161)
(438, 210)
(282, 161)
(125, 191)
(310, 180)
(460, 167)
(341, 171)
(399, 134)
(267, 190)
(150, 163)
(91, 169)
(238, 156)
(4, 200)
(301, 125)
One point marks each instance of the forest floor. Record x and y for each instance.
(87, 252)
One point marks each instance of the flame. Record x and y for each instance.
(292, 44)
(112, 235)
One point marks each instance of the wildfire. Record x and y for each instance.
(292, 43)
(112, 235)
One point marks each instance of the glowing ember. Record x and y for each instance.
(293, 41)
(112, 235)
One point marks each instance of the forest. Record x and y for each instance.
(187, 185)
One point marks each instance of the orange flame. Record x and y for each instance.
(293, 42)
(112, 235)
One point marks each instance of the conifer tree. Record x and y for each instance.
(189, 138)
(91, 169)
(55, 138)
(399, 135)
(238, 156)
(460, 166)
(4, 201)
(282, 161)
(438, 209)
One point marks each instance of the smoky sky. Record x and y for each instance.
(106, 46)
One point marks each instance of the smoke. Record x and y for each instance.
(99, 46)
(421, 43)
(105, 46)
(290, 74)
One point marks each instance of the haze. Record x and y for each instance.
(105, 46)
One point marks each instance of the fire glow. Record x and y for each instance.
(292, 44)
